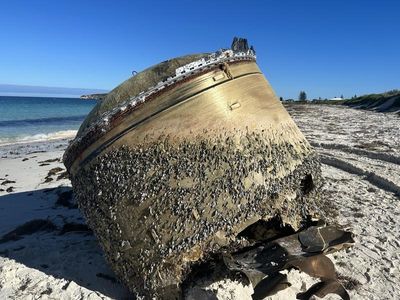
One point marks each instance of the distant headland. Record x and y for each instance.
(94, 96)
(46, 91)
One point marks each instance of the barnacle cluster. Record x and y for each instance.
(181, 158)
(160, 207)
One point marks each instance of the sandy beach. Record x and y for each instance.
(56, 262)
(48, 252)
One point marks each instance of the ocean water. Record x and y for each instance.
(24, 119)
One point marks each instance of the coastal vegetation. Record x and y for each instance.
(302, 96)
(382, 102)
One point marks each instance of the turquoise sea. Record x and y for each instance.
(24, 119)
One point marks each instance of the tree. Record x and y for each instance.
(302, 96)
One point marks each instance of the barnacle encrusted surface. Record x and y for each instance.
(172, 178)
(158, 206)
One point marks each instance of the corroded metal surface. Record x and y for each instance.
(180, 176)
(140, 82)
(172, 88)
(304, 251)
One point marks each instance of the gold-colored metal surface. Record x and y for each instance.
(246, 101)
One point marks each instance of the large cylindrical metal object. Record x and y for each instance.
(168, 181)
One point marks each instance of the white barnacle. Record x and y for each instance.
(125, 245)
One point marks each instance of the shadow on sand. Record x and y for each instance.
(33, 232)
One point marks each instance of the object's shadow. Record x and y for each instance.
(63, 251)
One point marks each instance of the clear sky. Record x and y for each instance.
(326, 48)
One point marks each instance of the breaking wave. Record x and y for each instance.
(40, 137)
(41, 121)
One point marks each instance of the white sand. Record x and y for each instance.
(361, 155)
(47, 265)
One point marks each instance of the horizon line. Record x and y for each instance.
(12, 85)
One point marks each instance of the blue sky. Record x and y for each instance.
(326, 48)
